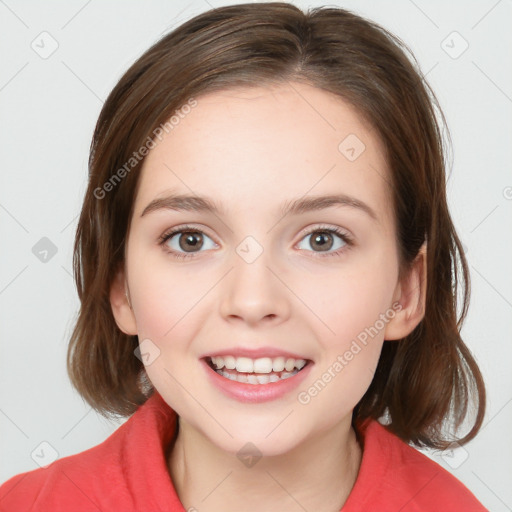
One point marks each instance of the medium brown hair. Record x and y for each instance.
(423, 380)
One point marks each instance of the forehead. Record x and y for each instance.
(249, 145)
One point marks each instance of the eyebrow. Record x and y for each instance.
(182, 202)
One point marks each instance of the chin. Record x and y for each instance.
(247, 447)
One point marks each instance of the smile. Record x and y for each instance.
(256, 380)
(256, 371)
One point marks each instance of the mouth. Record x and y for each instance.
(259, 371)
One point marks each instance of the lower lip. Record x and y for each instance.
(256, 393)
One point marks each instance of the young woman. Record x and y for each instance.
(268, 275)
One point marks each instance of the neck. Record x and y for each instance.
(317, 475)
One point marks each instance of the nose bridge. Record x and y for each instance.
(251, 290)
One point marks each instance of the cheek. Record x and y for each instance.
(351, 338)
(350, 301)
(165, 295)
(167, 308)
(354, 308)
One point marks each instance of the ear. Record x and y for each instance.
(411, 294)
(121, 307)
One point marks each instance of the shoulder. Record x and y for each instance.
(395, 476)
(67, 482)
(124, 462)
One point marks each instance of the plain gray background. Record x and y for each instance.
(59, 61)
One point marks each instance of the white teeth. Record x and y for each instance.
(263, 379)
(251, 379)
(278, 364)
(300, 364)
(257, 379)
(262, 365)
(289, 365)
(244, 365)
(229, 375)
(230, 362)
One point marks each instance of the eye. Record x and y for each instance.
(324, 240)
(188, 240)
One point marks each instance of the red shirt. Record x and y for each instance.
(128, 472)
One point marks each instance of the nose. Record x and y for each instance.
(253, 292)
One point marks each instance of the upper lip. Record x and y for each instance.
(255, 353)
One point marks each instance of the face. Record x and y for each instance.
(250, 279)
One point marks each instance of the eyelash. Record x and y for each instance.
(188, 229)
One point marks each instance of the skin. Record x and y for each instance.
(250, 149)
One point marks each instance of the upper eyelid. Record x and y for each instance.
(319, 225)
(183, 229)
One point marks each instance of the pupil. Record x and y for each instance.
(193, 239)
(317, 240)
